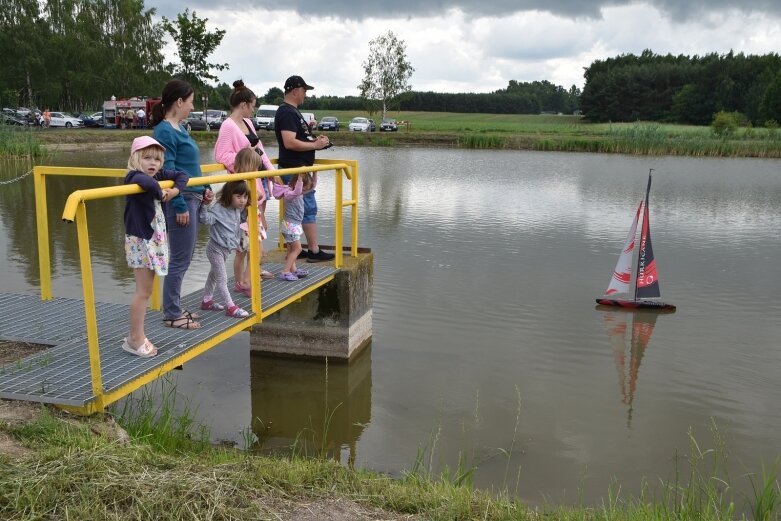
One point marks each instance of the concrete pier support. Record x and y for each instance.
(333, 321)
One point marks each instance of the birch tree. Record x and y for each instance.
(386, 71)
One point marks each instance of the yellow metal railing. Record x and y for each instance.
(75, 211)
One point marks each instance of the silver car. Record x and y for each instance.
(60, 119)
(359, 125)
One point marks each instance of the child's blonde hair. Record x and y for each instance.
(134, 161)
(247, 160)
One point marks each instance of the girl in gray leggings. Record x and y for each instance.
(224, 218)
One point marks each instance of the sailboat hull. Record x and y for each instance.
(635, 304)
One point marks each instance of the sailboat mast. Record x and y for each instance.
(645, 224)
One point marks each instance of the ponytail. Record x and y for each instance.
(173, 90)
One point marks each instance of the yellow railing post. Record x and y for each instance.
(89, 304)
(254, 246)
(354, 223)
(154, 299)
(338, 221)
(42, 222)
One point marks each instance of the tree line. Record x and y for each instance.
(683, 89)
(75, 54)
(517, 98)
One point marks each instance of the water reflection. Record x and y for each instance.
(486, 264)
(318, 406)
(629, 333)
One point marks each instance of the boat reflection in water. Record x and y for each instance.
(630, 333)
(310, 406)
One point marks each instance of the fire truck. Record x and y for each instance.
(114, 111)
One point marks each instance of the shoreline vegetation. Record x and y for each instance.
(469, 131)
(142, 460)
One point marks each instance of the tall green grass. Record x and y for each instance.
(157, 415)
(18, 141)
(482, 141)
(72, 474)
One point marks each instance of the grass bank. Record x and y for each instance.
(495, 131)
(74, 468)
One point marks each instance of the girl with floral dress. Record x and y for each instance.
(290, 225)
(146, 237)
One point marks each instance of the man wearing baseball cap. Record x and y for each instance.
(297, 147)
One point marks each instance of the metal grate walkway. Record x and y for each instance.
(61, 374)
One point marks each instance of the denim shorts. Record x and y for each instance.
(310, 208)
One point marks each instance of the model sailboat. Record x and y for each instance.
(638, 288)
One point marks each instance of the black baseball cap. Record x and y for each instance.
(295, 82)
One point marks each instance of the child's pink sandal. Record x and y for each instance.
(236, 312)
(245, 290)
(210, 305)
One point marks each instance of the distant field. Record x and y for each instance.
(498, 131)
(459, 122)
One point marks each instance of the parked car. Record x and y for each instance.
(87, 120)
(194, 121)
(215, 117)
(359, 125)
(372, 126)
(60, 119)
(310, 119)
(97, 117)
(328, 123)
(265, 117)
(388, 125)
(7, 118)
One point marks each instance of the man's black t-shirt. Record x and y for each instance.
(288, 118)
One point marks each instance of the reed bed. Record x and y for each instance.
(19, 142)
(505, 131)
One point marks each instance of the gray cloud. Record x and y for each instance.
(349, 9)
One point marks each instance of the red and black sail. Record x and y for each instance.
(647, 280)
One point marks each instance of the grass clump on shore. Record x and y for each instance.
(18, 142)
(70, 473)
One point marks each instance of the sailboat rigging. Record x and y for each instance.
(638, 288)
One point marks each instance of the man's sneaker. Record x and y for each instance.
(303, 255)
(320, 256)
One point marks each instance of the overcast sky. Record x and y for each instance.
(469, 45)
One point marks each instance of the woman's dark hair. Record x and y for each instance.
(241, 94)
(172, 91)
(229, 189)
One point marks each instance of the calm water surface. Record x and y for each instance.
(487, 344)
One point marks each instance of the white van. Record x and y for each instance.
(310, 119)
(264, 118)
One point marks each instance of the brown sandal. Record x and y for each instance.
(183, 322)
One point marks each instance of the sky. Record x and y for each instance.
(468, 45)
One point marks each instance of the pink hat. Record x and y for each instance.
(143, 142)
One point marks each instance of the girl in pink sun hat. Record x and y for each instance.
(146, 237)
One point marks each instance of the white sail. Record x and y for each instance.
(622, 275)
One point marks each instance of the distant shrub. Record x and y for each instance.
(772, 128)
(725, 123)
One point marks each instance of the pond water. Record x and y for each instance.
(487, 345)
